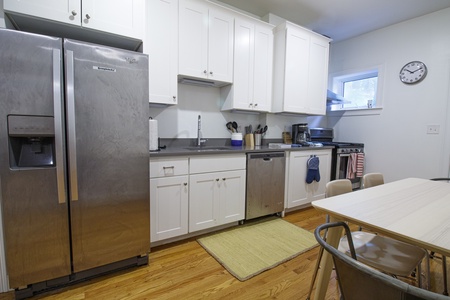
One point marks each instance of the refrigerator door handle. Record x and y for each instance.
(72, 149)
(57, 106)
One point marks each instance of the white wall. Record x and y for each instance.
(395, 141)
(180, 121)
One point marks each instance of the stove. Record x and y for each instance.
(341, 154)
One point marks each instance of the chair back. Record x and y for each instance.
(338, 187)
(358, 281)
(372, 179)
(441, 179)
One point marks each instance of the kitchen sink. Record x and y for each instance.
(208, 148)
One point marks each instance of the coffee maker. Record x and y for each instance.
(300, 134)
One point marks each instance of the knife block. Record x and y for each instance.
(249, 140)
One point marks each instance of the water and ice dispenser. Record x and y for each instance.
(31, 141)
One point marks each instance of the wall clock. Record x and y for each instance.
(413, 72)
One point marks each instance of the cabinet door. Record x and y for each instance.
(193, 39)
(317, 190)
(120, 17)
(203, 201)
(296, 78)
(318, 75)
(244, 32)
(232, 196)
(161, 44)
(300, 192)
(220, 46)
(262, 82)
(65, 11)
(168, 207)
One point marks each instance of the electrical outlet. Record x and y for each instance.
(432, 129)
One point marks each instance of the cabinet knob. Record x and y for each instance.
(174, 98)
(224, 179)
(74, 13)
(88, 16)
(256, 104)
(210, 73)
(217, 179)
(185, 184)
(205, 72)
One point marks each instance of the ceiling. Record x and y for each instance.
(341, 19)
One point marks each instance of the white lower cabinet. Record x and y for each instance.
(298, 191)
(189, 194)
(216, 199)
(217, 190)
(169, 192)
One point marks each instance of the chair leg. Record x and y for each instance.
(316, 270)
(444, 274)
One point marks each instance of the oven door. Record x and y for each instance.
(342, 161)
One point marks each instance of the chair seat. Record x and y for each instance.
(383, 253)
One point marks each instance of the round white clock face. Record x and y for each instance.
(413, 72)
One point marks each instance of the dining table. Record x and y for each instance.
(412, 210)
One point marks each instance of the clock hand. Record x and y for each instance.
(416, 70)
(410, 72)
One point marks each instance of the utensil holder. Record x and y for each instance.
(258, 137)
(249, 140)
(236, 139)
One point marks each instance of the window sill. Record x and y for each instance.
(349, 112)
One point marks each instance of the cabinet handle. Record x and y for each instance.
(74, 13)
(171, 167)
(88, 16)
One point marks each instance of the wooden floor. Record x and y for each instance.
(185, 271)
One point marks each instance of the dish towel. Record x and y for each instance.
(313, 170)
(351, 166)
(359, 164)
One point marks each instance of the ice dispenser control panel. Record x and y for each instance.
(31, 141)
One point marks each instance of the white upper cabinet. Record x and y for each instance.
(300, 70)
(161, 44)
(253, 59)
(205, 42)
(121, 17)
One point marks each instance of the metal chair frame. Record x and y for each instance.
(359, 281)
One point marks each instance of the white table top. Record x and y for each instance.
(413, 210)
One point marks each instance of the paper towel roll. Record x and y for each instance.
(153, 132)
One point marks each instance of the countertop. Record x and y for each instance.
(211, 150)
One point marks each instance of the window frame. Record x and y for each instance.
(338, 79)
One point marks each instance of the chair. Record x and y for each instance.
(358, 281)
(372, 179)
(444, 259)
(383, 253)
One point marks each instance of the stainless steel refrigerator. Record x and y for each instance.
(74, 160)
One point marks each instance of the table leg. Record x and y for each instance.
(326, 264)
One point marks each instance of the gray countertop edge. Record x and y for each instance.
(182, 151)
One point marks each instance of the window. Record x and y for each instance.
(359, 88)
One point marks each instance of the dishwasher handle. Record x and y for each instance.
(267, 156)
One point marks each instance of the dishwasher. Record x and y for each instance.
(265, 184)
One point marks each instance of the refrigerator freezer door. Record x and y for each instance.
(34, 209)
(107, 120)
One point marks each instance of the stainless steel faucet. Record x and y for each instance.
(200, 141)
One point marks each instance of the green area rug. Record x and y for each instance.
(253, 248)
